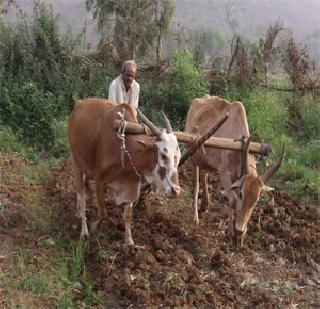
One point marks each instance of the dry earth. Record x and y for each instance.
(180, 265)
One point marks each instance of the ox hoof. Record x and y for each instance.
(139, 247)
(95, 225)
(196, 221)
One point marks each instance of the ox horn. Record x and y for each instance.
(166, 122)
(156, 131)
(273, 169)
(245, 153)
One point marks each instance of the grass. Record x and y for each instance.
(53, 279)
(50, 270)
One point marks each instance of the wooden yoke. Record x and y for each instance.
(195, 142)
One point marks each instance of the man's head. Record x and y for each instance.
(128, 72)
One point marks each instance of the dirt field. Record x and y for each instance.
(180, 265)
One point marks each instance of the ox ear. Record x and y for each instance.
(267, 188)
(148, 143)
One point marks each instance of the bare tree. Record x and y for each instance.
(131, 27)
(298, 68)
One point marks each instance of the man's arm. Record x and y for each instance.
(136, 96)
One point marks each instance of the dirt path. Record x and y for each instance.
(180, 265)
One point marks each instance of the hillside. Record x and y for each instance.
(251, 17)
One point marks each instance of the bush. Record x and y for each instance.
(60, 142)
(29, 111)
(9, 141)
(185, 84)
(153, 98)
(41, 75)
(266, 115)
(311, 121)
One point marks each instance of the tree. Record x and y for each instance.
(4, 6)
(132, 27)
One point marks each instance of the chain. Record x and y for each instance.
(123, 149)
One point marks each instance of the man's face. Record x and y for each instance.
(128, 76)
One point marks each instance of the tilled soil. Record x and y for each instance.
(179, 264)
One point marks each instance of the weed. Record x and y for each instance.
(77, 259)
(170, 281)
(102, 255)
(200, 255)
(65, 302)
(145, 279)
(34, 282)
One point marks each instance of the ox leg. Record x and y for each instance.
(100, 197)
(81, 198)
(87, 186)
(205, 191)
(195, 193)
(127, 218)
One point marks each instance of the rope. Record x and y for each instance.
(123, 149)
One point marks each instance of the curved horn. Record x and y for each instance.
(166, 122)
(156, 131)
(273, 169)
(245, 153)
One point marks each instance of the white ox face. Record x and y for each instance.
(165, 174)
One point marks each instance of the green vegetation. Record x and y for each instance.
(41, 75)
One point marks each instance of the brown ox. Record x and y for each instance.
(237, 176)
(95, 148)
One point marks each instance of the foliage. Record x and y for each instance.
(132, 25)
(153, 98)
(186, 83)
(41, 75)
(60, 142)
(9, 141)
(29, 111)
(266, 115)
(310, 121)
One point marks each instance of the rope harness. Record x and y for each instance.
(123, 149)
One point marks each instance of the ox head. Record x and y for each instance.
(244, 194)
(165, 174)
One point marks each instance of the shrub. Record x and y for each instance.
(29, 111)
(153, 98)
(60, 142)
(41, 74)
(311, 121)
(185, 84)
(9, 141)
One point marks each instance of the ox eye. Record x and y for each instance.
(164, 157)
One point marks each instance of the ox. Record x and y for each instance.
(96, 154)
(237, 171)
